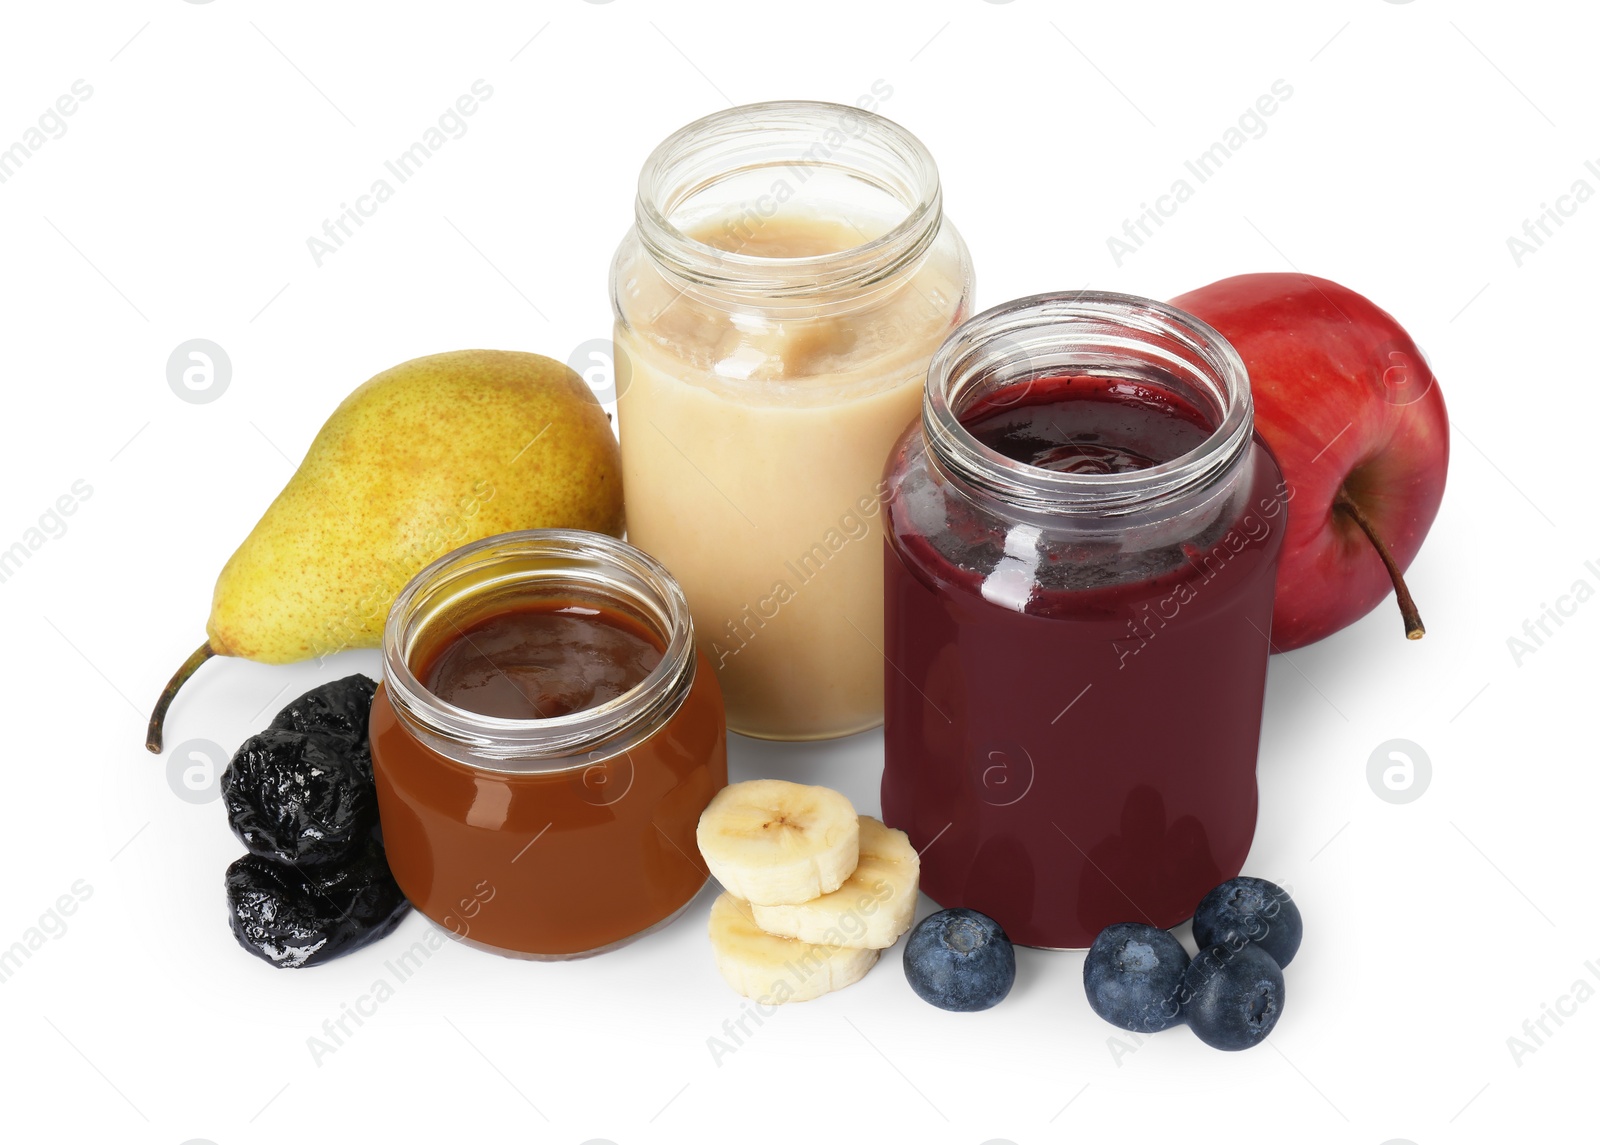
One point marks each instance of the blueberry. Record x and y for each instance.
(960, 960)
(1132, 974)
(1245, 910)
(1232, 997)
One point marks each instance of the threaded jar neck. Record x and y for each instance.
(735, 170)
(1094, 333)
(566, 564)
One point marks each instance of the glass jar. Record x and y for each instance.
(788, 277)
(1083, 539)
(557, 837)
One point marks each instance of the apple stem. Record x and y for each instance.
(1408, 607)
(152, 735)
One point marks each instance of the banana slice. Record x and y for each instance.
(775, 970)
(772, 842)
(872, 909)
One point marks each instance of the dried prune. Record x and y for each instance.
(337, 708)
(300, 797)
(292, 917)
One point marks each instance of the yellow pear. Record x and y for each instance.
(422, 459)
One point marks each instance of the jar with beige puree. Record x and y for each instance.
(788, 277)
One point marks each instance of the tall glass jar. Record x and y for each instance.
(554, 837)
(789, 274)
(1083, 539)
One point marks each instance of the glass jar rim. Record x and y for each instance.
(591, 566)
(886, 156)
(1040, 335)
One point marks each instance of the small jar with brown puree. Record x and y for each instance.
(788, 277)
(544, 741)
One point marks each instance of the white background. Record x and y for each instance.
(219, 136)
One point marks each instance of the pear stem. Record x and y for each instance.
(1402, 595)
(152, 735)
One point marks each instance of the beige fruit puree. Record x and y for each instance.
(753, 445)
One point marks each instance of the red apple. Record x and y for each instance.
(1355, 418)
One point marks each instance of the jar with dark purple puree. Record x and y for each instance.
(1082, 545)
